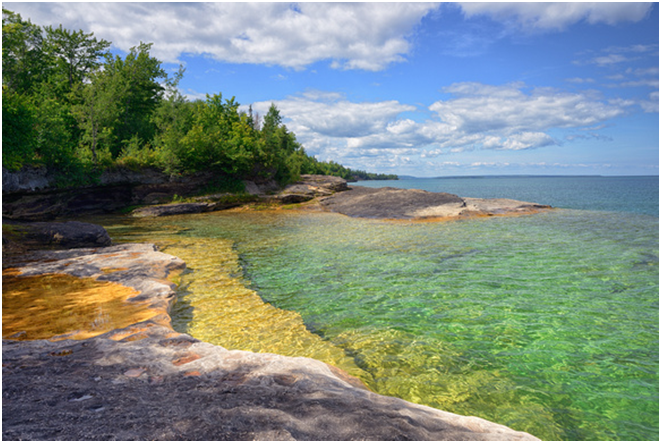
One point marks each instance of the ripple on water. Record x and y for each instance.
(547, 324)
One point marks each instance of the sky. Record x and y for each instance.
(421, 89)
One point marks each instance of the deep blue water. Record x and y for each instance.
(635, 194)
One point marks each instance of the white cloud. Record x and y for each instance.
(652, 104)
(654, 71)
(579, 80)
(649, 82)
(557, 16)
(609, 59)
(332, 115)
(616, 55)
(477, 108)
(364, 36)
(509, 117)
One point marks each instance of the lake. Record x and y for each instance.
(547, 323)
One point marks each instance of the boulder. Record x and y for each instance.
(332, 183)
(311, 186)
(72, 234)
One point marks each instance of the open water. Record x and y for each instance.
(547, 323)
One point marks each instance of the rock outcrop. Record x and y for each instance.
(410, 204)
(56, 235)
(29, 179)
(148, 382)
(31, 194)
(169, 386)
(309, 187)
(208, 203)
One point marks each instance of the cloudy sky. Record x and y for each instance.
(423, 89)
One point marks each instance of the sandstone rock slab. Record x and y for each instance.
(411, 204)
(387, 203)
(168, 386)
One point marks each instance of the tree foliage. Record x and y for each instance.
(24, 62)
(74, 54)
(72, 106)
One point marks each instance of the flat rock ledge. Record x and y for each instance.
(148, 382)
(209, 203)
(309, 187)
(414, 204)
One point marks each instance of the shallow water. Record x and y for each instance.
(545, 323)
(59, 306)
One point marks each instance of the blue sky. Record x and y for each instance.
(423, 89)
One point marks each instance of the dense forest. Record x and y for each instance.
(70, 105)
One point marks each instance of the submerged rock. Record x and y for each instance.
(148, 382)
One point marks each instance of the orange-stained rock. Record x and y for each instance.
(82, 293)
(185, 359)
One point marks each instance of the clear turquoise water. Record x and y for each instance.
(545, 323)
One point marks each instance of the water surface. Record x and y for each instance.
(546, 323)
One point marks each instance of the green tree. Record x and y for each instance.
(18, 137)
(24, 62)
(97, 112)
(75, 53)
(281, 156)
(138, 92)
(206, 144)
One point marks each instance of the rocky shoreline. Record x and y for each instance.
(334, 195)
(144, 381)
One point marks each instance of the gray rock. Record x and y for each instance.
(212, 203)
(147, 382)
(27, 179)
(389, 203)
(166, 386)
(71, 234)
(311, 186)
(262, 189)
(409, 204)
(171, 209)
(335, 184)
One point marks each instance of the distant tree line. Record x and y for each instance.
(72, 106)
